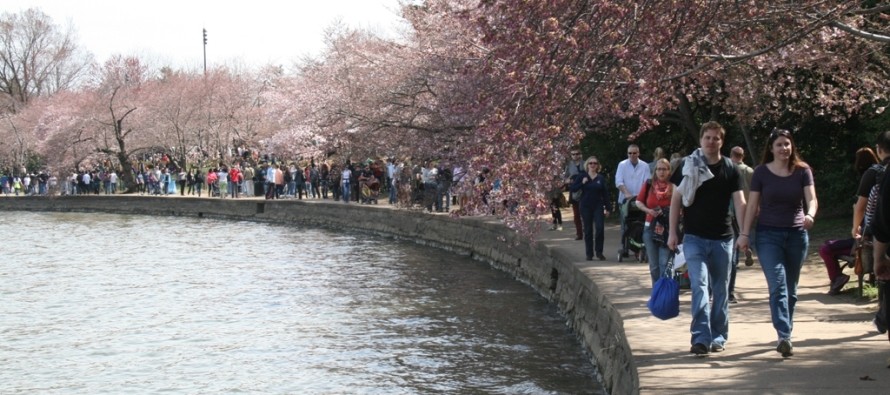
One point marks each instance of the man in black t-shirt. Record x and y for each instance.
(881, 231)
(880, 227)
(868, 180)
(707, 244)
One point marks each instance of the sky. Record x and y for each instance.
(251, 33)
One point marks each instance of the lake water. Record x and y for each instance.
(101, 303)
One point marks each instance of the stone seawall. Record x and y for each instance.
(550, 271)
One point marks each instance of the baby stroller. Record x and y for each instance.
(370, 190)
(632, 239)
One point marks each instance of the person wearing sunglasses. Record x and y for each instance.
(630, 175)
(783, 198)
(574, 167)
(593, 205)
(655, 200)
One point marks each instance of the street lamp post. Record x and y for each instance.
(205, 51)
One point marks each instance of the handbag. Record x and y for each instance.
(665, 300)
(576, 196)
(659, 227)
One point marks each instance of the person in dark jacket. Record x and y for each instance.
(593, 206)
(880, 228)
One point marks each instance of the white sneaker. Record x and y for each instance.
(559, 228)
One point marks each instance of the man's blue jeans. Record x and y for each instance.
(658, 255)
(392, 193)
(781, 253)
(708, 264)
(443, 198)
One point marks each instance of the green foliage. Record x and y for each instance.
(827, 147)
(869, 291)
(34, 162)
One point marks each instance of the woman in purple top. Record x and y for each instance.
(783, 197)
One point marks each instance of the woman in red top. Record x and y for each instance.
(235, 178)
(655, 201)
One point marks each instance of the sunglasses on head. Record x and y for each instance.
(779, 132)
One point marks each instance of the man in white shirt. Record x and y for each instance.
(630, 176)
(112, 179)
(390, 176)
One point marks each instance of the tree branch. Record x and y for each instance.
(860, 33)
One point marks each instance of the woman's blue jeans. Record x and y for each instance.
(658, 255)
(593, 221)
(781, 253)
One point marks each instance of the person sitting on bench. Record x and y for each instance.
(830, 251)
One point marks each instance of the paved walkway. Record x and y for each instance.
(836, 349)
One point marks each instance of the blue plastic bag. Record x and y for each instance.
(665, 300)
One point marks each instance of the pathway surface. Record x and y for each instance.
(836, 349)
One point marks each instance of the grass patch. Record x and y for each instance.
(837, 227)
(869, 291)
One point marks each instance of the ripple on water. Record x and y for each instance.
(98, 303)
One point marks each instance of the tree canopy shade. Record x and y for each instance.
(496, 84)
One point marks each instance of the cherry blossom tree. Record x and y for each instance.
(562, 65)
(37, 58)
(176, 110)
(61, 130)
(503, 85)
(118, 92)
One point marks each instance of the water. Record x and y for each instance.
(100, 303)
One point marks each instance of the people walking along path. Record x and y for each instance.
(837, 350)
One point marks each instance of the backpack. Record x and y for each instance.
(576, 196)
(873, 195)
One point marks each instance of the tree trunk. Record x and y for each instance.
(127, 175)
(123, 156)
(749, 144)
(687, 120)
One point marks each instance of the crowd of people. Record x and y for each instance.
(27, 184)
(430, 184)
(713, 209)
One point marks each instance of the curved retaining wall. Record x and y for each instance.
(548, 270)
